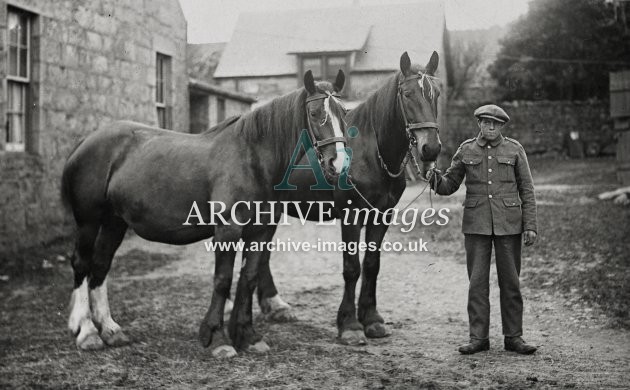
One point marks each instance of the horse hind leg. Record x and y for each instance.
(108, 240)
(80, 320)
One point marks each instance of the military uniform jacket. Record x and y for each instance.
(500, 196)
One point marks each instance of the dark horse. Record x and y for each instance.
(129, 175)
(400, 115)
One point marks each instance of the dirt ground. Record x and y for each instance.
(159, 293)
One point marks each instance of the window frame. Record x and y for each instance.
(24, 82)
(163, 89)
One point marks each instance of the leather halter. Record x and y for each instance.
(317, 144)
(409, 126)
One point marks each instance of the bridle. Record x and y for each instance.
(409, 127)
(317, 144)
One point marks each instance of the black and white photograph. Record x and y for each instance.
(315, 194)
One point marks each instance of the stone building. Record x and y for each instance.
(269, 52)
(68, 68)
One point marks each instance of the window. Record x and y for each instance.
(163, 90)
(325, 67)
(18, 80)
(220, 110)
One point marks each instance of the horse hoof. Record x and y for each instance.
(91, 342)
(352, 337)
(281, 315)
(117, 339)
(259, 348)
(377, 330)
(224, 352)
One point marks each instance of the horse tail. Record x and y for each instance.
(66, 188)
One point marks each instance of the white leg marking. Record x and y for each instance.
(100, 310)
(228, 307)
(276, 303)
(80, 320)
(80, 307)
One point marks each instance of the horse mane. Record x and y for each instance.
(223, 125)
(380, 107)
(279, 122)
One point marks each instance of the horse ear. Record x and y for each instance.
(433, 64)
(405, 64)
(339, 81)
(309, 82)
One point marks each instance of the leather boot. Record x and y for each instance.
(518, 345)
(474, 346)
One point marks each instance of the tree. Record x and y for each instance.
(561, 50)
(466, 59)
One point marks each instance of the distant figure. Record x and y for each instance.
(500, 206)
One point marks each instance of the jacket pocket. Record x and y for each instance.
(511, 202)
(470, 203)
(507, 164)
(473, 167)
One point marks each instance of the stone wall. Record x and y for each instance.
(542, 127)
(92, 62)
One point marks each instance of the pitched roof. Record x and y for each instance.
(264, 44)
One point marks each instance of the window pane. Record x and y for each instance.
(16, 92)
(13, 61)
(13, 28)
(333, 66)
(23, 30)
(18, 129)
(15, 133)
(23, 63)
(161, 117)
(314, 65)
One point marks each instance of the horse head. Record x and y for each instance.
(418, 92)
(325, 114)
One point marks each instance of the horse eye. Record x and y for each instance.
(407, 93)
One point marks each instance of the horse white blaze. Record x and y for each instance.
(100, 309)
(336, 124)
(80, 318)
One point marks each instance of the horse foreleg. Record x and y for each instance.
(80, 320)
(350, 330)
(241, 327)
(211, 332)
(372, 321)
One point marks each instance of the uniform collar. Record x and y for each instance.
(483, 142)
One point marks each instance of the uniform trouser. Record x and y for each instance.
(508, 259)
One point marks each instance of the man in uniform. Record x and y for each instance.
(500, 207)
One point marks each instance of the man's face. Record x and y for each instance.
(490, 129)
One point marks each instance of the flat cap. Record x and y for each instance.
(493, 112)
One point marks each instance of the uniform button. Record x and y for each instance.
(489, 169)
(489, 157)
(489, 146)
(489, 181)
(490, 196)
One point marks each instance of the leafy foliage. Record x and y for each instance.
(562, 50)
